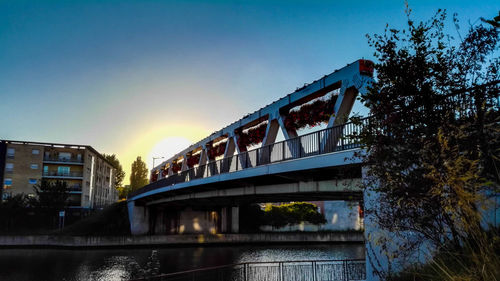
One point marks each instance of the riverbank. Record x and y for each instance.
(60, 241)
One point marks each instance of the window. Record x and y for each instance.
(62, 170)
(9, 167)
(34, 166)
(32, 181)
(35, 151)
(10, 152)
(7, 183)
(64, 156)
(45, 169)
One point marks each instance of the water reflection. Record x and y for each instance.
(115, 264)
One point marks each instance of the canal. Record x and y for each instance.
(122, 264)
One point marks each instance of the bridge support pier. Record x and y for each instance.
(235, 219)
(139, 218)
(230, 219)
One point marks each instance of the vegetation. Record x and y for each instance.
(51, 194)
(112, 220)
(450, 265)
(280, 215)
(23, 215)
(119, 176)
(292, 213)
(139, 174)
(434, 145)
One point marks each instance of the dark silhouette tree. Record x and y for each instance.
(433, 140)
(292, 213)
(51, 194)
(138, 175)
(119, 173)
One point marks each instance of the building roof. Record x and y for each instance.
(60, 145)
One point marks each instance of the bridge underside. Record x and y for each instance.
(215, 207)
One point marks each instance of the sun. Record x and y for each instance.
(167, 148)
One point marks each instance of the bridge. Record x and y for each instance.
(201, 189)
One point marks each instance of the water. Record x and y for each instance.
(117, 264)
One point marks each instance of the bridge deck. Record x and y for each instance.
(325, 148)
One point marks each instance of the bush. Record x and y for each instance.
(112, 220)
(293, 213)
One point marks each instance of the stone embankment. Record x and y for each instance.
(178, 240)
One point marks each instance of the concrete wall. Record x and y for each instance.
(187, 220)
(191, 221)
(193, 239)
(139, 218)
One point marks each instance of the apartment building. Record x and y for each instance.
(89, 177)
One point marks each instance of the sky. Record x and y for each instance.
(148, 78)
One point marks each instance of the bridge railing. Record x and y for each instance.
(337, 138)
(342, 270)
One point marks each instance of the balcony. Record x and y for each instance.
(57, 160)
(55, 174)
(76, 188)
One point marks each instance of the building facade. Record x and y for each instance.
(89, 177)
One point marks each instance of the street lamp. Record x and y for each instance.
(154, 158)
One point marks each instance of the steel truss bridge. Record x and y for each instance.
(338, 135)
(244, 163)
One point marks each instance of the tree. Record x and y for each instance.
(433, 139)
(138, 175)
(292, 213)
(119, 173)
(51, 194)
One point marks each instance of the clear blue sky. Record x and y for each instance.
(124, 75)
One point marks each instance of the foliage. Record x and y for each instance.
(112, 220)
(138, 175)
(252, 136)
(311, 114)
(470, 263)
(123, 191)
(176, 167)
(494, 22)
(433, 140)
(293, 213)
(51, 194)
(216, 150)
(119, 173)
(18, 201)
(193, 160)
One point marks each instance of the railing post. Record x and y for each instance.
(299, 146)
(314, 270)
(245, 271)
(345, 270)
(237, 160)
(281, 271)
(269, 148)
(319, 142)
(283, 150)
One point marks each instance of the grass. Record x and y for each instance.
(476, 261)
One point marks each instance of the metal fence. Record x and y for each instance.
(319, 270)
(337, 138)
